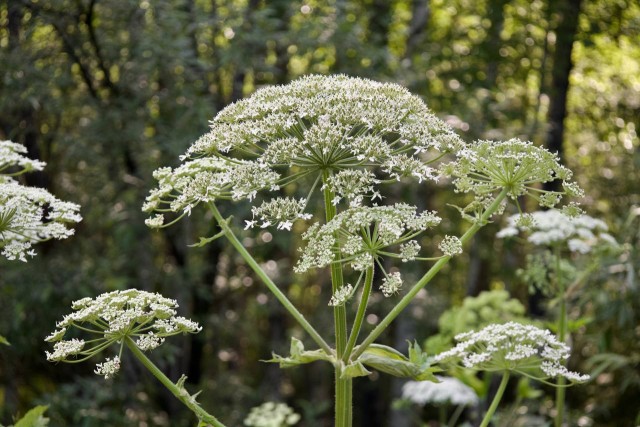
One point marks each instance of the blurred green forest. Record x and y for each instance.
(106, 91)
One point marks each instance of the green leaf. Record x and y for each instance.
(386, 359)
(355, 369)
(34, 418)
(299, 356)
(3, 340)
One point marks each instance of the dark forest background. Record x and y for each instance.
(106, 91)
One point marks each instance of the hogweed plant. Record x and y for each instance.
(322, 154)
(551, 271)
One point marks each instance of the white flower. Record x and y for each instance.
(341, 296)
(580, 233)
(448, 390)
(147, 318)
(391, 284)
(450, 246)
(338, 131)
(108, 368)
(13, 162)
(271, 414)
(512, 347)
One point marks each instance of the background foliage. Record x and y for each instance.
(107, 91)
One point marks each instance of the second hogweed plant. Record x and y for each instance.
(321, 156)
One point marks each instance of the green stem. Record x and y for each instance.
(496, 400)
(362, 308)
(179, 392)
(562, 335)
(424, 280)
(280, 296)
(343, 387)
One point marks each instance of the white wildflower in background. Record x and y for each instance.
(525, 349)
(145, 317)
(344, 134)
(580, 234)
(358, 235)
(272, 414)
(448, 390)
(484, 168)
(28, 215)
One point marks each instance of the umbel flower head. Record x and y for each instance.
(344, 134)
(272, 414)
(145, 317)
(28, 215)
(580, 234)
(514, 347)
(362, 234)
(484, 168)
(447, 390)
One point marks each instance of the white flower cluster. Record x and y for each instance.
(450, 246)
(357, 235)
(28, 215)
(281, 210)
(391, 284)
(14, 162)
(341, 296)
(108, 368)
(449, 390)
(272, 414)
(581, 234)
(486, 167)
(144, 316)
(345, 131)
(513, 347)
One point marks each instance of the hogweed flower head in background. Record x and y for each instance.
(580, 234)
(338, 133)
(28, 215)
(512, 347)
(447, 390)
(272, 414)
(146, 318)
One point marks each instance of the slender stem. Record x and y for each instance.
(362, 308)
(562, 335)
(496, 400)
(343, 387)
(454, 418)
(424, 280)
(280, 296)
(180, 393)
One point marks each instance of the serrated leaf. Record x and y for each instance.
(299, 356)
(34, 418)
(3, 340)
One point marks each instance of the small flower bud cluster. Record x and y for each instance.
(272, 414)
(28, 215)
(114, 316)
(358, 234)
(341, 296)
(581, 233)
(280, 211)
(354, 129)
(512, 347)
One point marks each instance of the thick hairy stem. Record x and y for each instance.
(179, 392)
(496, 400)
(280, 296)
(424, 280)
(344, 387)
